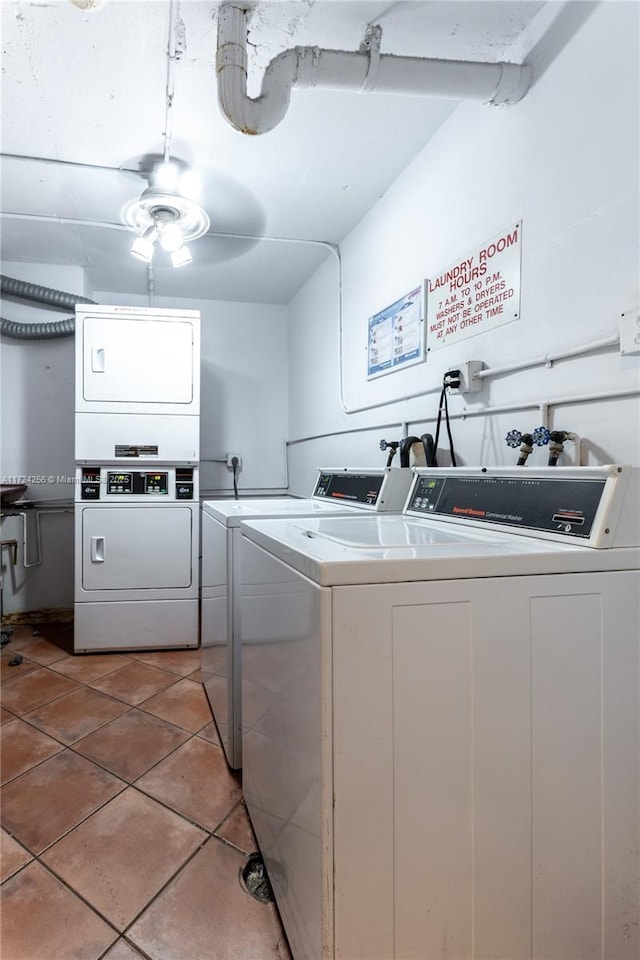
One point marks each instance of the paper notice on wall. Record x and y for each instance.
(396, 335)
(479, 292)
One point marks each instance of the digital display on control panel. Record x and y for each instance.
(137, 483)
(119, 482)
(565, 505)
(156, 483)
(349, 487)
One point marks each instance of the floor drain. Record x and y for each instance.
(254, 879)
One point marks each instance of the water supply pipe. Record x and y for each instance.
(363, 71)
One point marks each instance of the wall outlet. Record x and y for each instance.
(630, 333)
(465, 373)
(230, 457)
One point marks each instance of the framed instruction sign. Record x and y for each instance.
(479, 292)
(396, 335)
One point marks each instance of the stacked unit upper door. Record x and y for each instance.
(137, 360)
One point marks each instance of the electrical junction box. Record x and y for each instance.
(463, 378)
(630, 333)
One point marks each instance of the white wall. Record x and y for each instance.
(243, 411)
(565, 162)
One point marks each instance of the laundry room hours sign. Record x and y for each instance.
(479, 292)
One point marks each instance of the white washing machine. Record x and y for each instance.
(337, 492)
(441, 746)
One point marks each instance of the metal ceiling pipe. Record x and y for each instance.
(365, 71)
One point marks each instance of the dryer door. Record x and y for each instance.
(127, 548)
(137, 360)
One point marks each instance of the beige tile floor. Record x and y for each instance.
(123, 829)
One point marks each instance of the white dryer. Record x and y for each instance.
(136, 558)
(137, 385)
(441, 748)
(338, 492)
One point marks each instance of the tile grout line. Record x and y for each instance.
(211, 833)
(129, 785)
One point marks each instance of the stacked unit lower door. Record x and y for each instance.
(136, 583)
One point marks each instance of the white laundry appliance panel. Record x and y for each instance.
(393, 549)
(121, 625)
(137, 360)
(136, 548)
(382, 490)
(220, 614)
(286, 743)
(449, 765)
(136, 557)
(597, 506)
(112, 438)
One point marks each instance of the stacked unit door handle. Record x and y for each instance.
(97, 360)
(97, 549)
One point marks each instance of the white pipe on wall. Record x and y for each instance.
(362, 72)
(549, 358)
(543, 405)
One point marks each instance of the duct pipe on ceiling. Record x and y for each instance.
(364, 72)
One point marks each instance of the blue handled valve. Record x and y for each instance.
(541, 436)
(513, 438)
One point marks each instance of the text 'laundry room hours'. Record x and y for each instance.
(477, 293)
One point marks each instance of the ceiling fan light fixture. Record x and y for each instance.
(174, 220)
(181, 256)
(142, 247)
(171, 237)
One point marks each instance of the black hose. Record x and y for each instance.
(526, 448)
(429, 450)
(23, 290)
(405, 449)
(32, 291)
(37, 331)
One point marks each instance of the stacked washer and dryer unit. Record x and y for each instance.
(441, 736)
(137, 446)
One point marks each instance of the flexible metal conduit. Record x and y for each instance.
(365, 71)
(38, 294)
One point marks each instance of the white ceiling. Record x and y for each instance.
(88, 88)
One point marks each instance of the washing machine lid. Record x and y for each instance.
(232, 512)
(400, 548)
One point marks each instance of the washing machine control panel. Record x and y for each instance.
(103, 483)
(560, 505)
(349, 487)
(380, 490)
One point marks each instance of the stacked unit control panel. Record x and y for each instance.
(137, 426)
